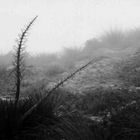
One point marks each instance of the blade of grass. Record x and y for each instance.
(26, 114)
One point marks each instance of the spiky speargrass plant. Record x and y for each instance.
(18, 63)
(49, 93)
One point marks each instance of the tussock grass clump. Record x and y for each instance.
(47, 121)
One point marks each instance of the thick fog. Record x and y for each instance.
(64, 23)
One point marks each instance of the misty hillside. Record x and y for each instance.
(70, 70)
(82, 93)
(120, 52)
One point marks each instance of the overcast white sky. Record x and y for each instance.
(63, 23)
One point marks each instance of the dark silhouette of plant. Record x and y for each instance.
(18, 63)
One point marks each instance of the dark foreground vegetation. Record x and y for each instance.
(102, 102)
(99, 115)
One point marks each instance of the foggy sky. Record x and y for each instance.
(64, 23)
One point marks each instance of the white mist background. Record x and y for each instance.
(64, 23)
